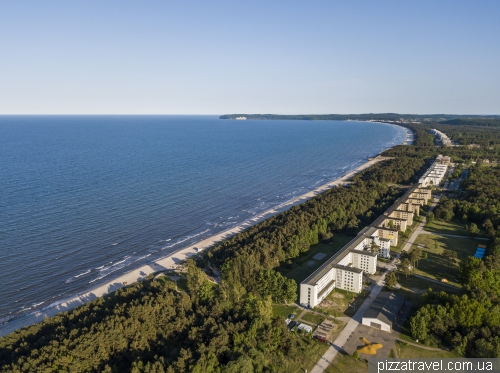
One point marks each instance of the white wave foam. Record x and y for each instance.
(36, 304)
(185, 239)
(117, 266)
(82, 274)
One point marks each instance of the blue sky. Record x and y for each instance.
(216, 57)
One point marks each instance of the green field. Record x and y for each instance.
(280, 310)
(312, 318)
(408, 351)
(310, 352)
(447, 227)
(436, 266)
(304, 264)
(345, 363)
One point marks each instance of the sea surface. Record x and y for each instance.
(87, 198)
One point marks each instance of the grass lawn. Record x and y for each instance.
(337, 302)
(281, 310)
(413, 287)
(437, 267)
(310, 352)
(345, 363)
(312, 318)
(304, 264)
(408, 351)
(446, 227)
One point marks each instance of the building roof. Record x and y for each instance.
(363, 252)
(338, 256)
(385, 307)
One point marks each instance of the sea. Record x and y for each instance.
(88, 198)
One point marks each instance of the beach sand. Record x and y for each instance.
(170, 262)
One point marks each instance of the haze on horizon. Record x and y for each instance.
(293, 57)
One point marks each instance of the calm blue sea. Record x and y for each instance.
(86, 198)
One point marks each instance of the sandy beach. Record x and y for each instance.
(172, 260)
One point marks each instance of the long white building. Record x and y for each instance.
(445, 140)
(436, 172)
(345, 269)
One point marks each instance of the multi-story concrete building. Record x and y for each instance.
(416, 201)
(441, 137)
(426, 191)
(401, 224)
(388, 234)
(410, 207)
(420, 195)
(436, 172)
(345, 269)
(402, 214)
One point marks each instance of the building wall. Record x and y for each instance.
(367, 263)
(368, 321)
(349, 280)
(389, 234)
(424, 196)
(346, 260)
(416, 201)
(308, 295)
(385, 248)
(400, 224)
(428, 192)
(410, 207)
(401, 214)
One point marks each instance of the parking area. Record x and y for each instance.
(377, 336)
(374, 336)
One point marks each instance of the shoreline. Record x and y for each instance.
(170, 262)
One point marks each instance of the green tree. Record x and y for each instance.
(405, 267)
(473, 229)
(419, 328)
(195, 277)
(391, 280)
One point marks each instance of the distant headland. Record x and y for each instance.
(454, 119)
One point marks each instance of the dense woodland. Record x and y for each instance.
(151, 326)
(494, 122)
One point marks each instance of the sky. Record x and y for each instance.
(223, 57)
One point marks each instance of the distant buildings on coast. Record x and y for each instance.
(344, 270)
(436, 172)
(441, 137)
